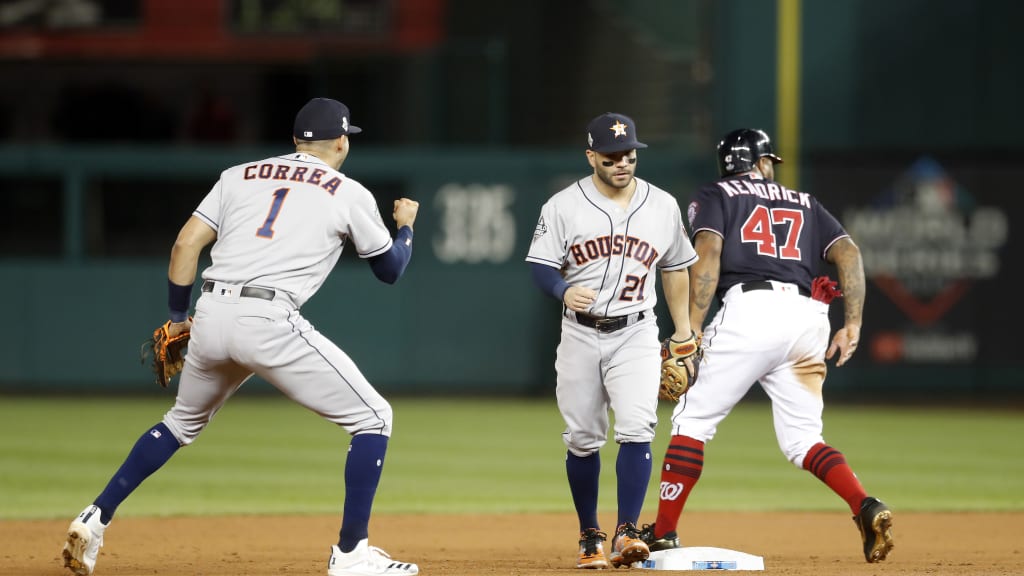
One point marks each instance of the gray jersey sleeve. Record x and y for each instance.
(209, 209)
(681, 253)
(365, 226)
(549, 241)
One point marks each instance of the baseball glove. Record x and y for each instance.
(680, 362)
(168, 353)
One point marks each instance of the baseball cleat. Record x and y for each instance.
(628, 547)
(667, 542)
(875, 524)
(85, 538)
(592, 550)
(366, 560)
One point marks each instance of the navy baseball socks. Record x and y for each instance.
(151, 451)
(85, 534)
(584, 473)
(633, 471)
(353, 555)
(363, 467)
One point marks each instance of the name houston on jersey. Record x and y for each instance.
(607, 246)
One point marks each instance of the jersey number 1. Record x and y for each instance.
(758, 230)
(267, 230)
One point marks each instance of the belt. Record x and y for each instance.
(607, 324)
(246, 292)
(766, 285)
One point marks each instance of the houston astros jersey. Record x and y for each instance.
(282, 223)
(616, 251)
(769, 231)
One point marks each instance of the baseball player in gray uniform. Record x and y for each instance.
(597, 248)
(277, 226)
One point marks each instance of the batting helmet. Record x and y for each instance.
(741, 149)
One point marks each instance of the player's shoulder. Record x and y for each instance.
(573, 192)
(653, 192)
(725, 186)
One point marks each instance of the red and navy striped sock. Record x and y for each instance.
(684, 462)
(829, 465)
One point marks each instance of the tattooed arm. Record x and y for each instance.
(704, 277)
(847, 259)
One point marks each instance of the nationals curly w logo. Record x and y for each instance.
(671, 490)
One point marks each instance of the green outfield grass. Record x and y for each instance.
(265, 455)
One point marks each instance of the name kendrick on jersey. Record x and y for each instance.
(605, 246)
(768, 191)
(270, 171)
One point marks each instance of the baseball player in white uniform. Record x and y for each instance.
(597, 249)
(759, 245)
(277, 226)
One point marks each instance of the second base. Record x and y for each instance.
(701, 558)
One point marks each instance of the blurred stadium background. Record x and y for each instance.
(116, 116)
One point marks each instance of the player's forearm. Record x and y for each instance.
(549, 280)
(389, 266)
(847, 258)
(676, 285)
(704, 276)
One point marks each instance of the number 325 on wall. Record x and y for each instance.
(759, 229)
(476, 223)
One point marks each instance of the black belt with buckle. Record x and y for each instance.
(766, 285)
(608, 324)
(247, 291)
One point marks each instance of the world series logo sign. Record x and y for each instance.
(925, 242)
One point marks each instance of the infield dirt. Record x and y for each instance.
(796, 544)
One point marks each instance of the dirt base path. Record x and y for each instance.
(819, 544)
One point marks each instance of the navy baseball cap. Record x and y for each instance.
(323, 119)
(612, 132)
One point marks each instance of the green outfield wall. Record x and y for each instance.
(466, 317)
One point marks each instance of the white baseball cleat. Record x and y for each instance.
(366, 560)
(85, 538)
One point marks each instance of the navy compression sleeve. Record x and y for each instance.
(389, 266)
(549, 280)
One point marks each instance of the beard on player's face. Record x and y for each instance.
(620, 173)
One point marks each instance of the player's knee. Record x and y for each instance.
(583, 445)
(184, 431)
(376, 419)
(797, 450)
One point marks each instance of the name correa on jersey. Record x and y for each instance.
(767, 191)
(606, 246)
(270, 171)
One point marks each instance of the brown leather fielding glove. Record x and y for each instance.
(680, 362)
(168, 353)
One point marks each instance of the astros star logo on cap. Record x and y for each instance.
(619, 128)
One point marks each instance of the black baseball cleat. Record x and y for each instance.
(875, 524)
(667, 542)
